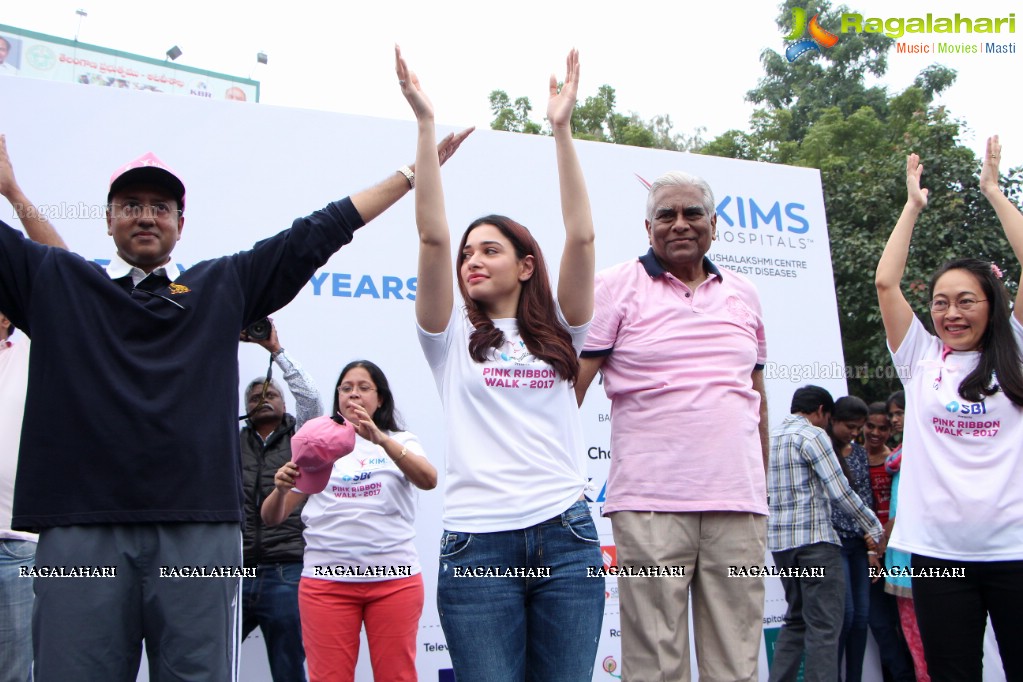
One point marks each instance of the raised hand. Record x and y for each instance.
(561, 104)
(7, 181)
(411, 89)
(450, 144)
(989, 168)
(914, 169)
(36, 225)
(365, 426)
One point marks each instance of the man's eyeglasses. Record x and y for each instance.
(136, 209)
(348, 389)
(940, 305)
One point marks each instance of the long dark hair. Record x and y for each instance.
(898, 398)
(536, 314)
(1000, 363)
(386, 416)
(848, 408)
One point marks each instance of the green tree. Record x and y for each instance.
(597, 119)
(819, 112)
(511, 117)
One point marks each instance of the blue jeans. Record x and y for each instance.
(270, 600)
(509, 629)
(813, 618)
(853, 640)
(16, 610)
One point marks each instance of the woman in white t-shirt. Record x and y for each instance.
(513, 592)
(961, 493)
(361, 565)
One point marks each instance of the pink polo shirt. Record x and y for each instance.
(684, 413)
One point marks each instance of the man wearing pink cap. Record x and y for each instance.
(129, 465)
(681, 346)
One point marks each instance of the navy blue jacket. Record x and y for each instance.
(130, 415)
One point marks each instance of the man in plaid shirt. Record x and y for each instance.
(803, 479)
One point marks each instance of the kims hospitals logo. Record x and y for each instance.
(819, 37)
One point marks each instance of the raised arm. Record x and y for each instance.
(301, 385)
(434, 288)
(375, 200)
(1008, 214)
(575, 281)
(896, 312)
(37, 227)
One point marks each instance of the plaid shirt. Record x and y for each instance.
(803, 477)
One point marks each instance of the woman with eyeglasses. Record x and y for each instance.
(360, 565)
(504, 359)
(961, 490)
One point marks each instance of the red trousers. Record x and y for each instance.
(333, 613)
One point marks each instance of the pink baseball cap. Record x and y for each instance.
(148, 170)
(314, 449)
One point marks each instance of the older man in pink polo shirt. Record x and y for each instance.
(681, 345)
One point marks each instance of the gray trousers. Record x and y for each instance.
(140, 584)
(813, 621)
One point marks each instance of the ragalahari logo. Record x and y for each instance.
(819, 37)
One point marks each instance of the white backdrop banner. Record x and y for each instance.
(37, 55)
(249, 171)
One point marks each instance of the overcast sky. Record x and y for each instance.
(694, 61)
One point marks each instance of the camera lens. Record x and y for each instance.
(259, 330)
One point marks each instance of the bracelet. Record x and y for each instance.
(401, 455)
(409, 175)
(273, 356)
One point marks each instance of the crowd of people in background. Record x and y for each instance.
(853, 501)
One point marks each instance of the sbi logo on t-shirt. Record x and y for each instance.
(966, 408)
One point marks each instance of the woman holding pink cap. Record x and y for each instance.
(361, 565)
